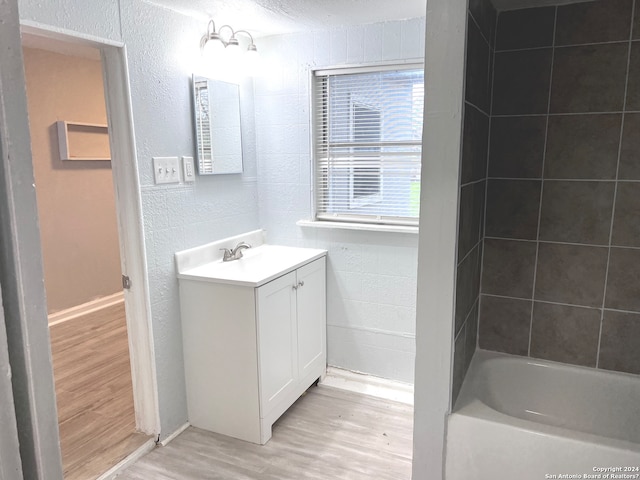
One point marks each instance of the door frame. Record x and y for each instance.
(21, 274)
(445, 50)
(10, 465)
(129, 216)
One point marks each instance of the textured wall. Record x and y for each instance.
(94, 18)
(76, 205)
(371, 275)
(481, 18)
(162, 55)
(560, 278)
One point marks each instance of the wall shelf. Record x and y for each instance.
(83, 141)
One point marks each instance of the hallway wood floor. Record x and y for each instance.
(94, 392)
(327, 434)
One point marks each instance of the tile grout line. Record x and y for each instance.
(467, 102)
(550, 302)
(615, 188)
(464, 323)
(483, 223)
(576, 180)
(544, 157)
(554, 242)
(475, 245)
(564, 114)
(629, 312)
(527, 49)
(466, 318)
(479, 29)
(571, 45)
(475, 182)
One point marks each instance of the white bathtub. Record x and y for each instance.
(526, 419)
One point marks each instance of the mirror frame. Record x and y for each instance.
(206, 166)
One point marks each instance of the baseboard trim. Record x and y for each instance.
(171, 437)
(369, 385)
(114, 471)
(85, 308)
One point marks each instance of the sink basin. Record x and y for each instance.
(259, 265)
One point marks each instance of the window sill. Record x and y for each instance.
(357, 226)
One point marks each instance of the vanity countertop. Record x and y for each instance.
(259, 265)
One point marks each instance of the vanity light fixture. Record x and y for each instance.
(215, 40)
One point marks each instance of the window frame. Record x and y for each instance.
(315, 108)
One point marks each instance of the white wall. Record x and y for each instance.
(162, 55)
(158, 74)
(371, 275)
(95, 18)
(444, 96)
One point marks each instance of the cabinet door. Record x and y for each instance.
(277, 338)
(312, 318)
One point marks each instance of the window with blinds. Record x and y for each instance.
(368, 144)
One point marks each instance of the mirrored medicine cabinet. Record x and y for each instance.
(216, 106)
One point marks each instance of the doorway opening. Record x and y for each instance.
(100, 332)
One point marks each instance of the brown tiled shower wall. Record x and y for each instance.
(560, 276)
(481, 20)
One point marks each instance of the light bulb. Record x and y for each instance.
(250, 61)
(233, 45)
(230, 59)
(213, 48)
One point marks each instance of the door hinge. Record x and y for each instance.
(126, 282)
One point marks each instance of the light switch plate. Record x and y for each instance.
(188, 171)
(166, 170)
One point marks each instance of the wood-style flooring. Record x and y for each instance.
(327, 434)
(94, 392)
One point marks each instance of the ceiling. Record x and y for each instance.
(270, 17)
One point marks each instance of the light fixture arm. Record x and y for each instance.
(211, 28)
(212, 35)
(226, 42)
(252, 44)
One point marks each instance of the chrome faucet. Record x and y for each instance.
(235, 253)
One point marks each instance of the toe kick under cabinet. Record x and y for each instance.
(251, 351)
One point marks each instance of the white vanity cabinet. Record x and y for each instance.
(291, 335)
(252, 348)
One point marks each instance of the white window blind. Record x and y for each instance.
(203, 125)
(368, 143)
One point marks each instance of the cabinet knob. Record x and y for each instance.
(295, 287)
(301, 283)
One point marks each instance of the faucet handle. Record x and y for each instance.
(228, 254)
